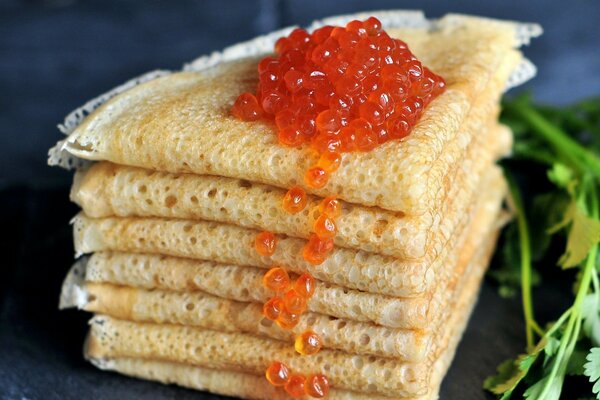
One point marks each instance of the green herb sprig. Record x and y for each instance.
(564, 144)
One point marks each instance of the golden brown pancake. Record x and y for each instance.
(144, 126)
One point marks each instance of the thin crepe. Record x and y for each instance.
(402, 278)
(143, 126)
(108, 189)
(195, 308)
(110, 338)
(230, 244)
(244, 284)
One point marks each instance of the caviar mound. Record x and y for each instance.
(340, 89)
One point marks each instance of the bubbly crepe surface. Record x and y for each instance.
(144, 126)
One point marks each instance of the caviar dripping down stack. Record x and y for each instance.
(184, 241)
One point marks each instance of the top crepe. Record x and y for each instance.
(181, 123)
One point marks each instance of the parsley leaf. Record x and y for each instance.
(583, 234)
(592, 369)
(591, 318)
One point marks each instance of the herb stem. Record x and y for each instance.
(530, 324)
(562, 143)
(571, 333)
(559, 322)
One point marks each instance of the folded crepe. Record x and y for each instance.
(144, 127)
(179, 238)
(181, 344)
(107, 189)
(245, 284)
(125, 290)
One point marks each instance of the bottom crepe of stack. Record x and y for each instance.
(170, 220)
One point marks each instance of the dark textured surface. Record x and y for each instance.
(54, 55)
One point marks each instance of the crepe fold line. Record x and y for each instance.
(224, 350)
(108, 189)
(402, 278)
(111, 338)
(143, 126)
(195, 308)
(99, 288)
(223, 382)
(230, 244)
(211, 312)
(244, 284)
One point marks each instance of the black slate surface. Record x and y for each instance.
(56, 54)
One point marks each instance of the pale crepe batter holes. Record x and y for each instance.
(170, 201)
(364, 339)
(142, 189)
(380, 226)
(267, 323)
(190, 306)
(245, 184)
(211, 193)
(194, 200)
(315, 213)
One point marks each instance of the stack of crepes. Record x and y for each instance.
(179, 190)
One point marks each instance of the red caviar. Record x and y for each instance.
(295, 386)
(294, 200)
(330, 161)
(246, 107)
(316, 177)
(272, 308)
(308, 343)
(276, 279)
(287, 320)
(317, 386)
(317, 249)
(265, 243)
(331, 207)
(317, 85)
(278, 374)
(293, 302)
(325, 227)
(305, 285)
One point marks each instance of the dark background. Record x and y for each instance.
(55, 55)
